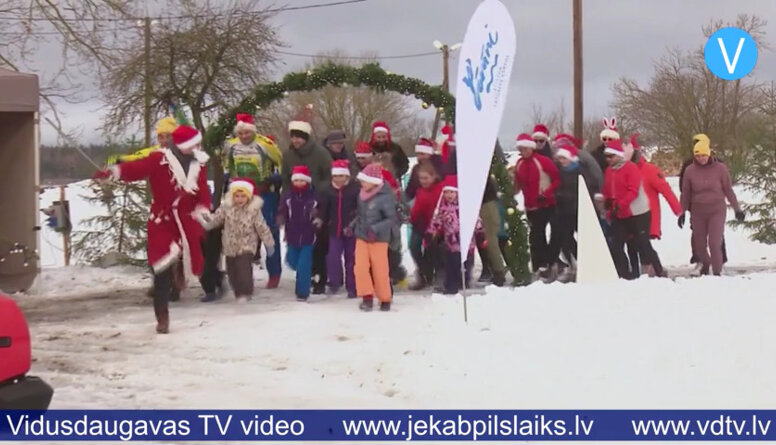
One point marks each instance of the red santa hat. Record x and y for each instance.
(450, 183)
(340, 167)
(566, 139)
(569, 152)
(272, 138)
(614, 147)
(301, 173)
(541, 132)
(302, 121)
(186, 138)
(425, 146)
(363, 149)
(524, 140)
(372, 173)
(244, 122)
(610, 129)
(243, 184)
(449, 143)
(380, 127)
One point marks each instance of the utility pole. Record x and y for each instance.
(147, 80)
(578, 85)
(445, 49)
(66, 232)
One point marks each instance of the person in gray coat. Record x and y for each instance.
(373, 226)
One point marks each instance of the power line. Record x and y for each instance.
(323, 56)
(179, 17)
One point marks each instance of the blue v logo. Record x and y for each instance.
(730, 53)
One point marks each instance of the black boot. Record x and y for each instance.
(385, 306)
(705, 269)
(162, 319)
(499, 278)
(367, 303)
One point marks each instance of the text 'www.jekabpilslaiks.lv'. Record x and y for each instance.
(469, 429)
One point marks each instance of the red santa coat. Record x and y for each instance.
(537, 176)
(177, 201)
(624, 191)
(655, 184)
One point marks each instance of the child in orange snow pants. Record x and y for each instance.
(375, 219)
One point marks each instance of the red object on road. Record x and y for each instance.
(14, 341)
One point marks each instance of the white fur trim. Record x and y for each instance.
(364, 155)
(244, 126)
(166, 261)
(540, 134)
(611, 151)
(370, 179)
(188, 273)
(380, 130)
(340, 171)
(302, 126)
(299, 176)
(424, 149)
(449, 187)
(563, 153)
(196, 140)
(241, 184)
(609, 133)
(189, 182)
(115, 172)
(525, 144)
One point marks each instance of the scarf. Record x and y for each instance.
(301, 189)
(366, 196)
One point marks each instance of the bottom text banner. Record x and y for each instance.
(386, 425)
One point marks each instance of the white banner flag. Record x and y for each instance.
(484, 71)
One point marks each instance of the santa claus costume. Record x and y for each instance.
(180, 195)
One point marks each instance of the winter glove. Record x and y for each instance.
(740, 216)
(348, 232)
(270, 249)
(274, 182)
(615, 210)
(541, 199)
(608, 204)
(101, 175)
(371, 236)
(318, 223)
(680, 221)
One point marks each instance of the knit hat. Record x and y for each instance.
(363, 149)
(540, 132)
(336, 137)
(450, 183)
(380, 127)
(244, 122)
(301, 173)
(425, 146)
(614, 147)
(525, 141)
(372, 173)
(302, 121)
(449, 143)
(185, 137)
(243, 184)
(166, 125)
(340, 167)
(701, 146)
(610, 129)
(569, 152)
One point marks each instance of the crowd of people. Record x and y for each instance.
(341, 211)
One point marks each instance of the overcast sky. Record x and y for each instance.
(621, 38)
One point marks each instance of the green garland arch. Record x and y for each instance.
(370, 75)
(374, 76)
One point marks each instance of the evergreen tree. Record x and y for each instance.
(760, 176)
(121, 228)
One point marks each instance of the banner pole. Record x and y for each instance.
(465, 291)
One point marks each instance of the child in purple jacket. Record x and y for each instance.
(338, 209)
(298, 212)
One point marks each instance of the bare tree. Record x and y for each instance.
(684, 98)
(352, 109)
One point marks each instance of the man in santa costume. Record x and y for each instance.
(382, 144)
(180, 196)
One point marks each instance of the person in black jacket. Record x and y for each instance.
(335, 143)
(609, 133)
(381, 143)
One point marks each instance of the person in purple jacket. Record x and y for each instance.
(424, 151)
(298, 212)
(705, 186)
(338, 209)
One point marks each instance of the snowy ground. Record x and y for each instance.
(651, 343)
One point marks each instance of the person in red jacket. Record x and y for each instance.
(655, 184)
(427, 255)
(181, 197)
(537, 177)
(627, 209)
